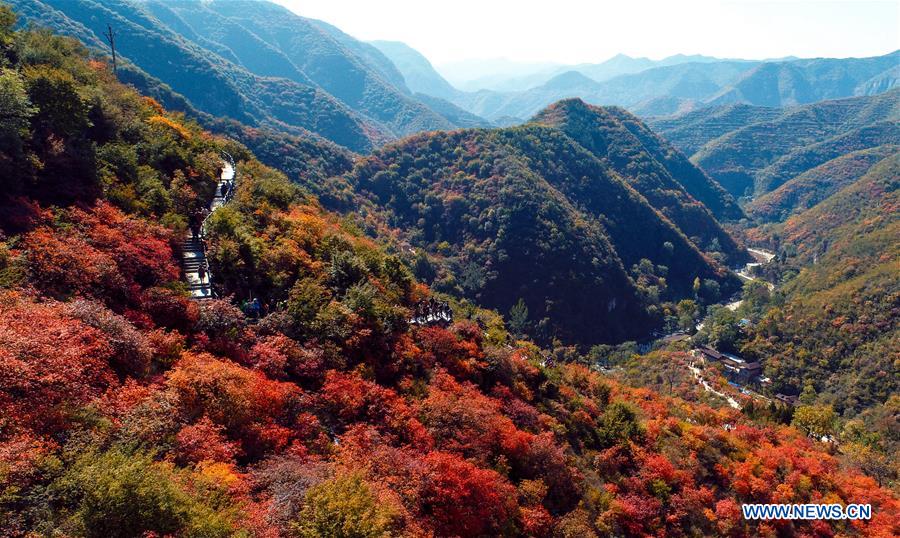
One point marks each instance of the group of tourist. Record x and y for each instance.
(432, 312)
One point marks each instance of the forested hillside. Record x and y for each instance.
(692, 130)
(270, 40)
(418, 73)
(210, 82)
(654, 168)
(254, 62)
(527, 213)
(128, 409)
(838, 330)
(798, 82)
(752, 151)
(815, 185)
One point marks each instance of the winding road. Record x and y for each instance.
(763, 257)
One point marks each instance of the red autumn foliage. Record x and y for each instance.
(252, 408)
(204, 441)
(50, 361)
(464, 500)
(100, 253)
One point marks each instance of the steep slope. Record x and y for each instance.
(749, 159)
(370, 55)
(802, 159)
(815, 185)
(840, 323)
(808, 81)
(525, 213)
(606, 134)
(336, 62)
(211, 83)
(127, 409)
(418, 73)
(455, 114)
(691, 178)
(692, 130)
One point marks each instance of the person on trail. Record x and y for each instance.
(224, 188)
(255, 307)
(201, 272)
(196, 220)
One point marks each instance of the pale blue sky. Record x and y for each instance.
(573, 31)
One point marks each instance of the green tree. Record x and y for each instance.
(122, 494)
(7, 25)
(518, 318)
(344, 507)
(688, 310)
(618, 424)
(808, 394)
(15, 109)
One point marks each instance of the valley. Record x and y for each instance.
(262, 278)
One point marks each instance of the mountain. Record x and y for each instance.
(372, 57)
(128, 409)
(498, 74)
(816, 184)
(332, 60)
(508, 76)
(455, 114)
(692, 130)
(761, 155)
(622, 64)
(838, 325)
(208, 81)
(427, 84)
(652, 167)
(686, 83)
(808, 81)
(491, 202)
(418, 73)
(265, 65)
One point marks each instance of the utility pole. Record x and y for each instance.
(110, 36)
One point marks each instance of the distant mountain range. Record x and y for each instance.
(266, 67)
(505, 76)
(687, 86)
(673, 85)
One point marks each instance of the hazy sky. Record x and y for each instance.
(573, 31)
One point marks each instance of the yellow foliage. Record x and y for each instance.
(163, 121)
(154, 104)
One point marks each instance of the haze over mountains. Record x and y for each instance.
(675, 84)
(413, 323)
(255, 62)
(264, 66)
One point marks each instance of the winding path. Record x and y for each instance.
(763, 257)
(193, 249)
(706, 386)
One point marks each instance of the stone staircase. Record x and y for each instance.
(193, 249)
